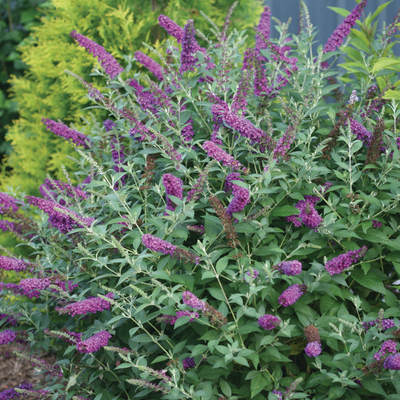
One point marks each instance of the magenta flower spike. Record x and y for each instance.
(12, 264)
(309, 216)
(158, 245)
(171, 27)
(269, 322)
(387, 347)
(59, 129)
(313, 349)
(7, 336)
(7, 201)
(292, 294)
(107, 61)
(264, 26)
(338, 264)
(189, 48)
(392, 362)
(240, 200)
(173, 187)
(94, 343)
(192, 301)
(343, 30)
(150, 64)
(289, 268)
(218, 154)
(88, 306)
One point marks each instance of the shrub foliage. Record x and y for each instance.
(235, 232)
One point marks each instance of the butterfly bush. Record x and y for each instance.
(231, 229)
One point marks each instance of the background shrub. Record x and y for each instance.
(236, 235)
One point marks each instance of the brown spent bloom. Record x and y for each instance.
(343, 115)
(375, 368)
(216, 318)
(374, 149)
(149, 171)
(312, 334)
(226, 221)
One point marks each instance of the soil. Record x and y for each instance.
(14, 370)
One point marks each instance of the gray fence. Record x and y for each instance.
(325, 19)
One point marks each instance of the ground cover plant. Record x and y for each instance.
(235, 231)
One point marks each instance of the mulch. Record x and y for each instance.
(14, 370)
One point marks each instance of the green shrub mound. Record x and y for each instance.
(234, 233)
(45, 90)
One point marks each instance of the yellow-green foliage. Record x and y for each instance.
(47, 91)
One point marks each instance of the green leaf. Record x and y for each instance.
(217, 294)
(243, 330)
(373, 386)
(371, 281)
(241, 360)
(379, 10)
(375, 236)
(258, 384)
(226, 389)
(221, 264)
(284, 211)
(182, 321)
(341, 11)
(385, 63)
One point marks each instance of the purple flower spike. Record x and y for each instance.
(107, 61)
(361, 132)
(31, 287)
(338, 264)
(239, 201)
(218, 154)
(292, 294)
(145, 99)
(7, 336)
(189, 48)
(269, 322)
(188, 363)
(289, 267)
(94, 343)
(278, 394)
(12, 264)
(151, 65)
(309, 216)
(192, 301)
(264, 26)
(109, 125)
(7, 201)
(171, 27)
(79, 139)
(392, 362)
(343, 30)
(387, 347)
(88, 306)
(12, 394)
(157, 244)
(313, 349)
(173, 187)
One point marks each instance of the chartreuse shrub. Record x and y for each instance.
(45, 90)
(234, 233)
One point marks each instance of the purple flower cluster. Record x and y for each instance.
(12, 264)
(240, 200)
(59, 129)
(252, 275)
(173, 187)
(292, 294)
(171, 319)
(7, 336)
(264, 26)
(338, 264)
(376, 224)
(31, 287)
(12, 394)
(343, 30)
(88, 306)
(361, 132)
(240, 124)
(392, 362)
(109, 125)
(218, 154)
(188, 363)
(54, 186)
(309, 216)
(189, 48)
(59, 220)
(7, 201)
(94, 343)
(387, 347)
(228, 185)
(385, 323)
(313, 349)
(107, 61)
(145, 99)
(289, 268)
(10, 319)
(158, 245)
(192, 301)
(240, 98)
(195, 193)
(151, 65)
(269, 322)
(285, 142)
(12, 287)
(171, 27)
